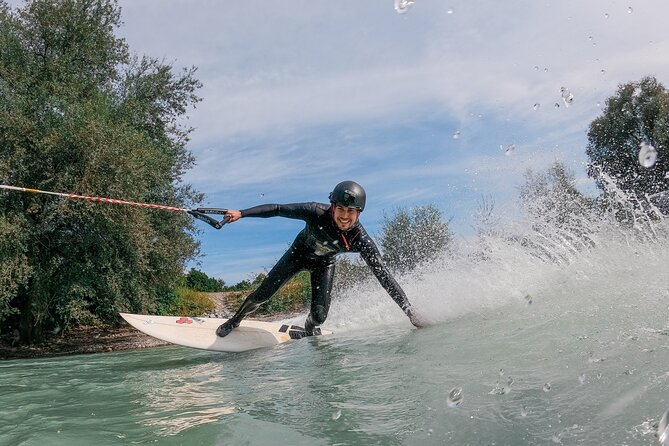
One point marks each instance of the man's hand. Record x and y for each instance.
(232, 216)
(414, 318)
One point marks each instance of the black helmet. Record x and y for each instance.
(349, 194)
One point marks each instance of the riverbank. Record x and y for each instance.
(99, 339)
(82, 340)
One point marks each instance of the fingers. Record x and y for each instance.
(232, 216)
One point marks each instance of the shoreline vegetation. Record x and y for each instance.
(95, 339)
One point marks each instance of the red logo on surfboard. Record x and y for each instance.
(185, 320)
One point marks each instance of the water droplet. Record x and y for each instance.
(630, 10)
(557, 105)
(590, 38)
(508, 149)
(501, 372)
(546, 70)
(647, 155)
(547, 387)
(567, 97)
(606, 15)
(509, 381)
(581, 378)
(536, 106)
(536, 68)
(455, 398)
(450, 11)
(456, 134)
(663, 429)
(528, 298)
(498, 390)
(402, 6)
(336, 415)
(523, 411)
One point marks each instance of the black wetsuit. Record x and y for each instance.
(314, 250)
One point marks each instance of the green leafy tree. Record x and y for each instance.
(200, 281)
(638, 114)
(409, 238)
(79, 114)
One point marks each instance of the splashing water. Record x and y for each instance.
(402, 6)
(647, 154)
(663, 429)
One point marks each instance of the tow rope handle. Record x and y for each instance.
(201, 214)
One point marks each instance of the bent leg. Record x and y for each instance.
(321, 288)
(285, 268)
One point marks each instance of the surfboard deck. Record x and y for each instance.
(200, 333)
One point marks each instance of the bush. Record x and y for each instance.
(411, 238)
(183, 302)
(294, 295)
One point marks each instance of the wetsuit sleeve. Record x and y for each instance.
(371, 255)
(300, 211)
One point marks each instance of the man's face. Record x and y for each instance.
(345, 217)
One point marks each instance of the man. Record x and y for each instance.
(330, 230)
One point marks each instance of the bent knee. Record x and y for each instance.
(318, 314)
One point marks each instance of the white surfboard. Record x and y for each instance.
(200, 333)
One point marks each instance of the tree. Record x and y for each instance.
(637, 116)
(552, 197)
(199, 281)
(409, 238)
(79, 114)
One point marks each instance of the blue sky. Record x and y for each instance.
(299, 95)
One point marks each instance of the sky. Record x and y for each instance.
(419, 107)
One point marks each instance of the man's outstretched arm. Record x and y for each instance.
(370, 253)
(300, 211)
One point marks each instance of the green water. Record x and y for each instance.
(384, 386)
